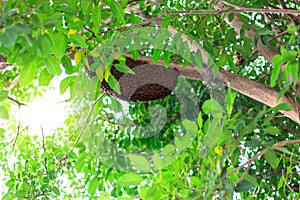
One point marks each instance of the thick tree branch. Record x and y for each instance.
(268, 52)
(253, 89)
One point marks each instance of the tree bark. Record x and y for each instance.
(253, 89)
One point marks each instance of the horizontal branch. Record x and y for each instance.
(242, 10)
(253, 89)
(262, 152)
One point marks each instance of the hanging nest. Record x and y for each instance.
(150, 81)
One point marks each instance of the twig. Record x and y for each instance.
(16, 101)
(278, 35)
(17, 135)
(232, 5)
(282, 172)
(242, 177)
(87, 119)
(73, 132)
(206, 12)
(242, 10)
(44, 148)
(262, 152)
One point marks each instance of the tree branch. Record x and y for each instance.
(266, 51)
(16, 101)
(262, 152)
(253, 89)
(285, 181)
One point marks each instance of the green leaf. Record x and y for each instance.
(3, 94)
(140, 162)
(183, 142)
(213, 107)
(295, 71)
(56, 191)
(283, 106)
(223, 59)
(28, 72)
(135, 54)
(265, 31)
(230, 35)
(213, 133)
(86, 6)
(129, 179)
(190, 126)
(117, 11)
(292, 29)
(20, 193)
(44, 44)
(76, 39)
(96, 15)
(124, 68)
(53, 66)
(53, 20)
(224, 138)
(67, 64)
(4, 112)
(157, 161)
(167, 58)
(270, 157)
(277, 60)
(65, 83)
(230, 97)
(52, 174)
(59, 42)
(200, 120)
(45, 77)
(156, 55)
(81, 162)
(169, 150)
(272, 130)
(251, 179)
(283, 91)
(114, 84)
(166, 21)
(197, 59)
(244, 186)
(9, 37)
(93, 186)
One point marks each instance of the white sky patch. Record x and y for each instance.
(48, 111)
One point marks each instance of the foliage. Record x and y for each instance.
(46, 39)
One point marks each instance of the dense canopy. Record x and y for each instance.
(211, 92)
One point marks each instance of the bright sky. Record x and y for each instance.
(48, 111)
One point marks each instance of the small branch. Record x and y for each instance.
(262, 152)
(87, 119)
(282, 172)
(63, 161)
(16, 101)
(44, 149)
(282, 4)
(205, 12)
(243, 176)
(242, 10)
(17, 135)
(232, 5)
(278, 35)
(13, 83)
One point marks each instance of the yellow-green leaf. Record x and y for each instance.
(114, 84)
(53, 66)
(129, 179)
(3, 94)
